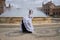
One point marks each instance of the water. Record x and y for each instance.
(20, 8)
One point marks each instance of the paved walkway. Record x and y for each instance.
(41, 33)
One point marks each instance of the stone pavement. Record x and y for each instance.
(41, 33)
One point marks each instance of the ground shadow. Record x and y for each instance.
(14, 33)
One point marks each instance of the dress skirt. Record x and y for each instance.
(24, 30)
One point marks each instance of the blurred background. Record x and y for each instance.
(44, 11)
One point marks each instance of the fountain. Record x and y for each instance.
(20, 9)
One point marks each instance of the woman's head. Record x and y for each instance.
(30, 12)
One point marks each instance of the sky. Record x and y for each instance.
(31, 3)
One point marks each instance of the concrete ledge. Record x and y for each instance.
(35, 25)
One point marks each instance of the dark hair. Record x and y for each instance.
(30, 11)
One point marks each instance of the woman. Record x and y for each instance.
(26, 25)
